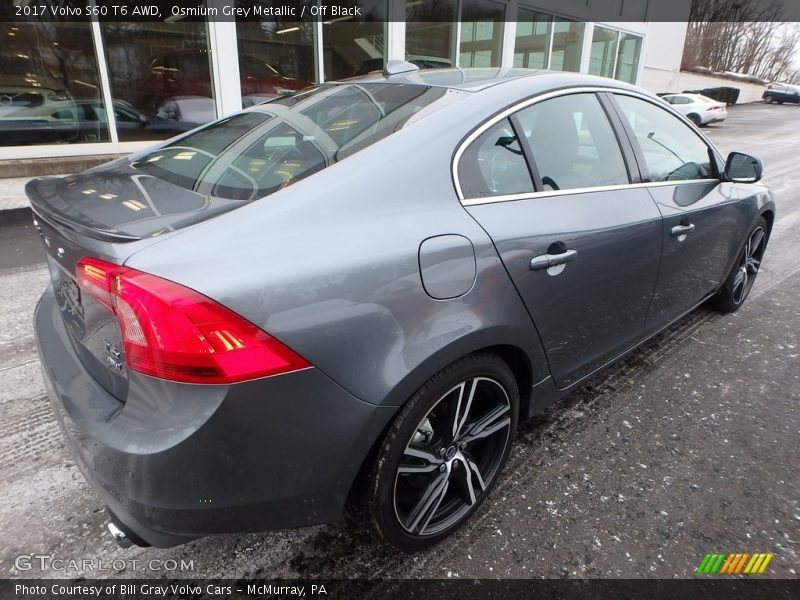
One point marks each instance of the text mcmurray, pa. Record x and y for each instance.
(144, 589)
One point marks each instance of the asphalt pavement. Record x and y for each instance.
(691, 445)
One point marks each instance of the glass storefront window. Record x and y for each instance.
(276, 57)
(355, 45)
(160, 76)
(49, 85)
(628, 53)
(532, 43)
(567, 46)
(481, 34)
(604, 51)
(161, 73)
(431, 33)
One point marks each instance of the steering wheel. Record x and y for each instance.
(498, 166)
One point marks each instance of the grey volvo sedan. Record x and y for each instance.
(343, 301)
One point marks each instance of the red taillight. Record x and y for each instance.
(93, 279)
(173, 332)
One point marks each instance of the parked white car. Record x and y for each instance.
(699, 109)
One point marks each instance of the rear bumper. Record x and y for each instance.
(180, 461)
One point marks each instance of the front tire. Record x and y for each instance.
(443, 453)
(739, 282)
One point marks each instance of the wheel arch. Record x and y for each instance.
(693, 115)
(520, 365)
(517, 347)
(769, 216)
(509, 350)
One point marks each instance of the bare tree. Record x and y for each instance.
(750, 37)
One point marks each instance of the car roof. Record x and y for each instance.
(470, 79)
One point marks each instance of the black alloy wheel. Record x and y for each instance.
(740, 281)
(444, 452)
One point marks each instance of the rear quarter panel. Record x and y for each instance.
(330, 266)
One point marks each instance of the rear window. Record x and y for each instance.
(273, 145)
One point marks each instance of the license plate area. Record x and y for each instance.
(68, 298)
(92, 328)
(71, 294)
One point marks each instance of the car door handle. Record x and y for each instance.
(679, 230)
(545, 261)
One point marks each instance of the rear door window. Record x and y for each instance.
(573, 144)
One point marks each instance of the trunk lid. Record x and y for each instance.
(116, 202)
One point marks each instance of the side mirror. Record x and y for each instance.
(743, 168)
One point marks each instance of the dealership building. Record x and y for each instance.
(103, 87)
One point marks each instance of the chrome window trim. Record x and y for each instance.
(599, 188)
(504, 114)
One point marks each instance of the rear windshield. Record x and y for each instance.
(273, 145)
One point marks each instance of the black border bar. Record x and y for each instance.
(402, 589)
(43, 11)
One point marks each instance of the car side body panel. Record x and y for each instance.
(694, 265)
(596, 306)
(330, 266)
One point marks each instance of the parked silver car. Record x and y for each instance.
(344, 301)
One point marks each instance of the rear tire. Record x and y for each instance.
(695, 119)
(737, 286)
(443, 453)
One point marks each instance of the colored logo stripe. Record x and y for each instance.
(734, 563)
(727, 565)
(758, 563)
(710, 562)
